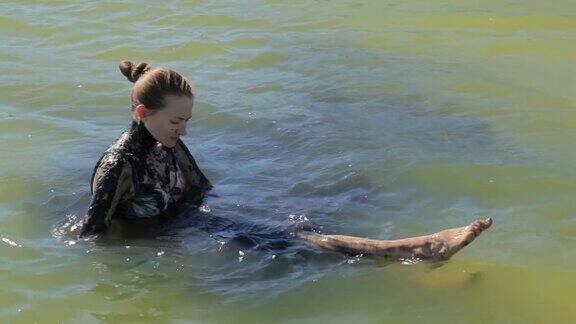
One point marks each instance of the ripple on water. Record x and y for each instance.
(183, 50)
(259, 61)
(210, 20)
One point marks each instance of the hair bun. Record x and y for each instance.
(133, 71)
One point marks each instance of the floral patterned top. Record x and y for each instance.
(138, 178)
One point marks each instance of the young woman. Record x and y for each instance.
(148, 170)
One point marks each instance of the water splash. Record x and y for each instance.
(10, 242)
(298, 218)
(410, 261)
(204, 208)
(67, 228)
(355, 259)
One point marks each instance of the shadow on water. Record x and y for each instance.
(225, 256)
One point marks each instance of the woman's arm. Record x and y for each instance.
(111, 179)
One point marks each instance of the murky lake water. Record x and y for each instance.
(372, 118)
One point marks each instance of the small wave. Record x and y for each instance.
(10, 242)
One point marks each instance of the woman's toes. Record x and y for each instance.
(480, 225)
(485, 223)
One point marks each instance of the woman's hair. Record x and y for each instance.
(152, 85)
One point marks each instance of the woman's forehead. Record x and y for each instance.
(178, 101)
(178, 106)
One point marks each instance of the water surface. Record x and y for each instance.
(372, 118)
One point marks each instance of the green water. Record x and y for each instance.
(373, 118)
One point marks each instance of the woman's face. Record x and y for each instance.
(169, 123)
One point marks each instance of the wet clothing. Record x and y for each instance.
(139, 178)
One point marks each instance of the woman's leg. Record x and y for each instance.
(438, 246)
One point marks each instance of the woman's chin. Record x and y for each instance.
(169, 143)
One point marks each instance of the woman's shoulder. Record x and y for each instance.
(121, 150)
(116, 154)
(115, 161)
(121, 145)
(111, 162)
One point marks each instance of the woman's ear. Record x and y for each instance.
(140, 112)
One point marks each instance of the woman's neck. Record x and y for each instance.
(140, 138)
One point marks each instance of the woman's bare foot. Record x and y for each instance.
(446, 243)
